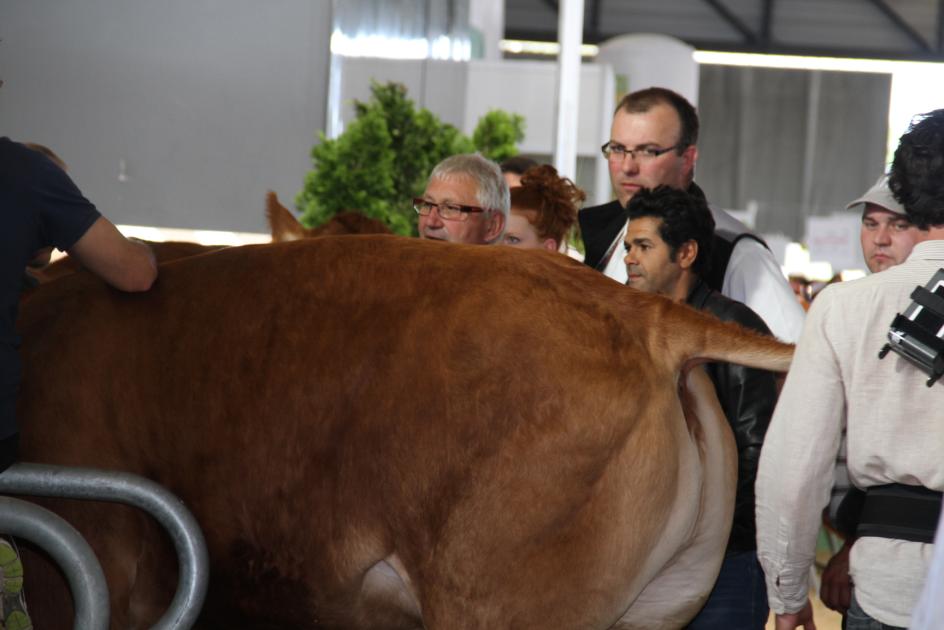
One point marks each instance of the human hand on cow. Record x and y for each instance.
(836, 587)
(803, 618)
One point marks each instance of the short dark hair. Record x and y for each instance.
(517, 164)
(642, 101)
(685, 217)
(917, 175)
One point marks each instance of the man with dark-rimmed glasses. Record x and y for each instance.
(466, 201)
(653, 142)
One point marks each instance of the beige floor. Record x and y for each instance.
(825, 618)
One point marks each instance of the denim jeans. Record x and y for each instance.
(738, 599)
(858, 619)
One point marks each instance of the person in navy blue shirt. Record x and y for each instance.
(41, 207)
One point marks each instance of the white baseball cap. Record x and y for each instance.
(881, 196)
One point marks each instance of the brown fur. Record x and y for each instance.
(282, 224)
(285, 227)
(503, 424)
(164, 251)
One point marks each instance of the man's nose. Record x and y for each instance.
(433, 219)
(629, 164)
(629, 258)
(883, 235)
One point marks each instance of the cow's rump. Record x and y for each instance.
(370, 429)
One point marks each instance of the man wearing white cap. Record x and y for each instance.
(837, 380)
(887, 235)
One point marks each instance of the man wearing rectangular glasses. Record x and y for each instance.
(466, 201)
(653, 142)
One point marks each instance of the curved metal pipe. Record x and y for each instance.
(119, 487)
(70, 551)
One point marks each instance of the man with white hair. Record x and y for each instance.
(466, 201)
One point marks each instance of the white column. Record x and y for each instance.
(570, 36)
(606, 102)
(488, 17)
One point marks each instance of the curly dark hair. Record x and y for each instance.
(551, 199)
(685, 217)
(917, 175)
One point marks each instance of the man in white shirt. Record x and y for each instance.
(895, 424)
(887, 238)
(653, 142)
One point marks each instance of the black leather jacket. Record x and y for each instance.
(748, 397)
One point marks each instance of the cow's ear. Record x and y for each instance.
(687, 254)
(282, 223)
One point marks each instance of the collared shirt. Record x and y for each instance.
(895, 434)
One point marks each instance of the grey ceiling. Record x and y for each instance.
(884, 29)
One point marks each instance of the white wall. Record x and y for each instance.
(177, 113)
(529, 88)
(437, 85)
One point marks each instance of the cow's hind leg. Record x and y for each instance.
(553, 545)
(681, 588)
(252, 589)
(121, 538)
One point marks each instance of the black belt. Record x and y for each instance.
(900, 512)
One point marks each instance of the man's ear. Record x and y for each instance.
(687, 254)
(690, 156)
(494, 227)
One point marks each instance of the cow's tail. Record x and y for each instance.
(714, 340)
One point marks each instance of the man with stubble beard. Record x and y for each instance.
(653, 142)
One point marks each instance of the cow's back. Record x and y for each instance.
(322, 405)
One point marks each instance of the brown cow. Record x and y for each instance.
(164, 251)
(282, 225)
(378, 432)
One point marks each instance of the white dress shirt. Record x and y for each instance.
(895, 434)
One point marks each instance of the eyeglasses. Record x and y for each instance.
(617, 152)
(447, 211)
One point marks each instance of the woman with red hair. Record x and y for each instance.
(543, 210)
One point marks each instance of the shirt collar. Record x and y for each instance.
(928, 250)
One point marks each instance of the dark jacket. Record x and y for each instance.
(599, 225)
(747, 397)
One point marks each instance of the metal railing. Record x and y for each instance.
(116, 487)
(69, 550)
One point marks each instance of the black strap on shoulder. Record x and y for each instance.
(721, 249)
(901, 512)
(929, 300)
(916, 335)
